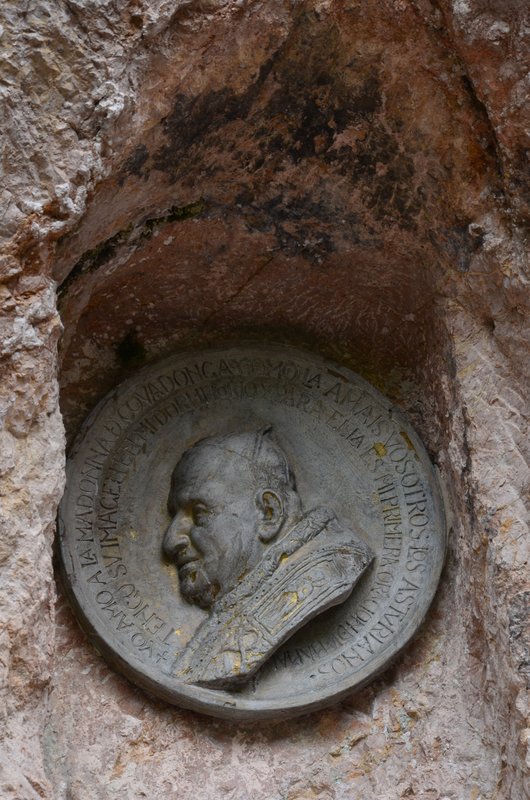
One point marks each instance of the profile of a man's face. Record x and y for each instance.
(229, 498)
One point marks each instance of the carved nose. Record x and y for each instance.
(176, 537)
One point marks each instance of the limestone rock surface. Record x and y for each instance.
(347, 176)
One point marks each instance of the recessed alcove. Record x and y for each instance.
(312, 265)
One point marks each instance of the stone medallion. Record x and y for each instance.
(250, 532)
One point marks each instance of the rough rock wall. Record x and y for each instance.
(342, 175)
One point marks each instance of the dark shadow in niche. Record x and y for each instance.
(130, 351)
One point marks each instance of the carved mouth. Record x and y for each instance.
(185, 560)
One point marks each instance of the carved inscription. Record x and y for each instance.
(127, 611)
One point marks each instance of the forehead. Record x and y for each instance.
(211, 468)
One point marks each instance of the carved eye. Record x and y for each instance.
(199, 513)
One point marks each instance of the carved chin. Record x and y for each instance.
(195, 586)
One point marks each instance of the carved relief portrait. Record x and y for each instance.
(247, 550)
(252, 532)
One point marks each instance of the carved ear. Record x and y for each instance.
(271, 514)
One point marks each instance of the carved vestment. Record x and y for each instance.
(311, 568)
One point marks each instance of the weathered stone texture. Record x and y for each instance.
(346, 176)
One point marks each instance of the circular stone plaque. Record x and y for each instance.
(250, 532)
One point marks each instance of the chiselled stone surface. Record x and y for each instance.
(345, 176)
